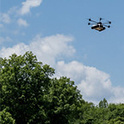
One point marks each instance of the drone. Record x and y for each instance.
(100, 25)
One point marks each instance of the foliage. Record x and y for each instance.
(103, 103)
(6, 117)
(64, 101)
(29, 95)
(24, 81)
(32, 96)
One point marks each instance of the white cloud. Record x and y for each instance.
(22, 22)
(47, 49)
(28, 4)
(19, 49)
(74, 70)
(118, 95)
(93, 83)
(5, 18)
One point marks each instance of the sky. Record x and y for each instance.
(57, 32)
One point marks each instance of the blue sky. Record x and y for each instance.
(58, 33)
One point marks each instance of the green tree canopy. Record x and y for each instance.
(24, 81)
(32, 96)
(6, 117)
(103, 103)
(65, 101)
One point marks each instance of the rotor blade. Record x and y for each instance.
(110, 22)
(108, 26)
(100, 19)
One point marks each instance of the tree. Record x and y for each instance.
(103, 103)
(116, 113)
(64, 101)
(32, 96)
(6, 117)
(23, 83)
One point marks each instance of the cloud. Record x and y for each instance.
(47, 49)
(93, 83)
(11, 17)
(28, 4)
(52, 47)
(22, 22)
(5, 18)
(118, 95)
(19, 49)
(13, 14)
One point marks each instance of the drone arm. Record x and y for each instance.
(92, 21)
(108, 26)
(106, 23)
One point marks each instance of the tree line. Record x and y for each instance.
(30, 95)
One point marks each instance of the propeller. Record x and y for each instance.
(89, 23)
(100, 19)
(109, 22)
(108, 26)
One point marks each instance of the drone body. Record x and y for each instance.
(99, 26)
